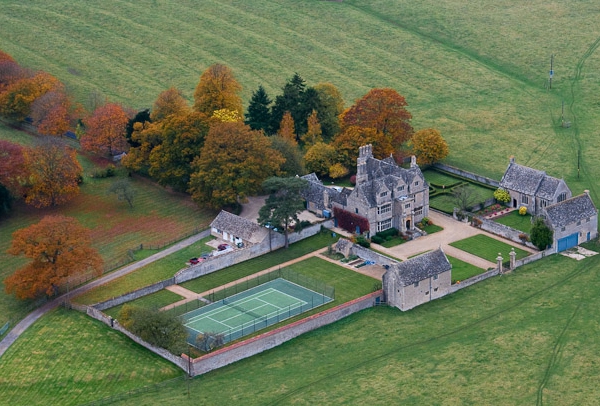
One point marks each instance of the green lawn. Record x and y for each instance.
(68, 358)
(487, 248)
(153, 301)
(432, 228)
(516, 221)
(440, 179)
(529, 337)
(462, 270)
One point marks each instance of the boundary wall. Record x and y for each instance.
(266, 341)
(473, 280)
(468, 175)
(502, 230)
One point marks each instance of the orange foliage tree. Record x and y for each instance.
(286, 128)
(10, 71)
(59, 248)
(105, 130)
(352, 138)
(50, 112)
(234, 162)
(383, 110)
(13, 171)
(18, 96)
(429, 146)
(314, 133)
(54, 174)
(218, 89)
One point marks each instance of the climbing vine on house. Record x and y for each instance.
(349, 221)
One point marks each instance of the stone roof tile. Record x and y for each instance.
(571, 210)
(240, 227)
(422, 267)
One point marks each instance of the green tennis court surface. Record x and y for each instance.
(252, 310)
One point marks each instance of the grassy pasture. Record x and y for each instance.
(458, 66)
(529, 337)
(487, 248)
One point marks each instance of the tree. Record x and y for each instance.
(502, 195)
(209, 341)
(141, 117)
(124, 191)
(541, 235)
(320, 157)
(429, 146)
(13, 171)
(226, 116)
(50, 113)
(169, 103)
(218, 89)
(54, 174)
(59, 248)
(290, 100)
(258, 116)
(464, 197)
(10, 71)
(313, 133)
(6, 199)
(385, 111)
(284, 202)
(286, 128)
(234, 162)
(157, 328)
(331, 105)
(105, 130)
(18, 96)
(348, 142)
(337, 171)
(294, 162)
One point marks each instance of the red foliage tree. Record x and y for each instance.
(105, 130)
(50, 112)
(13, 171)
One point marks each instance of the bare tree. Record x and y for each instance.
(464, 197)
(124, 191)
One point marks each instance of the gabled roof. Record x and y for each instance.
(529, 181)
(421, 267)
(571, 210)
(240, 227)
(315, 190)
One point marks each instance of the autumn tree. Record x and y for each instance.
(169, 103)
(54, 173)
(218, 89)
(258, 116)
(51, 112)
(331, 105)
(348, 142)
(141, 117)
(294, 161)
(13, 170)
(383, 110)
(320, 157)
(10, 71)
(313, 133)
(284, 202)
(225, 116)
(298, 100)
(286, 128)
(17, 98)
(59, 248)
(429, 146)
(105, 130)
(234, 162)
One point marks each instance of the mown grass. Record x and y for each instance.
(152, 301)
(533, 330)
(157, 271)
(440, 179)
(487, 248)
(432, 228)
(516, 221)
(246, 268)
(462, 270)
(68, 358)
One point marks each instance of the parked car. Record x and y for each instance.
(223, 247)
(205, 256)
(194, 261)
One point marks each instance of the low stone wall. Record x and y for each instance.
(532, 258)
(127, 297)
(502, 231)
(348, 248)
(473, 280)
(266, 341)
(468, 175)
(98, 315)
(484, 204)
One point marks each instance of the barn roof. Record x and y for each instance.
(421, 267)
(569, 211)
(239, 227)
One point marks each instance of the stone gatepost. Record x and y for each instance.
(499, 262)
(513, 259)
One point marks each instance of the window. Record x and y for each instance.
(416, 183)
(386, 208)
(562, 229)
(427, 292)
(418, 211)
(356, 210)
(400, 188)
(383, 194)
(435, 277)
(435, 289)
(543, 203)
(384, 225)
(562, 197)
(407, 206)
(579, 223)
(416, 284)
(524, 199)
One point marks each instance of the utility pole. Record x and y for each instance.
(551, 70)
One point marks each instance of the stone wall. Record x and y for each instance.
(473, 280)
(532, 258)
(127, 297)
(502, 231)
(266, 341)
(468, 175)
(348, 248)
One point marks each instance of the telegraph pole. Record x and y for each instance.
(551, 71)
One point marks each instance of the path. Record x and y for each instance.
(32, 317)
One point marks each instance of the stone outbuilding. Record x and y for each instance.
(237, 230)
(532, 188)
(418, 280)
(573, 221)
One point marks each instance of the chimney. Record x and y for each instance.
(512, 159)
(413, 161)
(364, 153)
(587, 192)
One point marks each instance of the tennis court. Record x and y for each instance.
(252, 310)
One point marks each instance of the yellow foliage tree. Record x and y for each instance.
(429, 146)
(314, 133)
(218, 89)
(226, 116)
(286, 128)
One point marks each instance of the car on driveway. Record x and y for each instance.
(223, 247)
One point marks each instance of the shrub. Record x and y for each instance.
(502, 195)
(107, 172)
(377, 239)
(353, 179)
(476, 222)
(541, 234)
(349, 221)
(389, 233)
(522, 210)
(362, 241)
(524, 237)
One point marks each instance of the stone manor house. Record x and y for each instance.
(385, 194)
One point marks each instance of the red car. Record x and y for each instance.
(194, 261)
(223, 247)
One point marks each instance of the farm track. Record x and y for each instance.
(579, 270)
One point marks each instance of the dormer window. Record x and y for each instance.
(562, 197)
(383, 194)
(400, 188)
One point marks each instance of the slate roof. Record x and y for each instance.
(529, 181)
(315, 190)
(240, 227)
(571, 210)
(421, 267)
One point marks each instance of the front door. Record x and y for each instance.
(408, 224)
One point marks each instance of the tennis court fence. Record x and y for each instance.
(283, 273)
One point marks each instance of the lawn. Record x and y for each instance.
(68, 358)
(437, 178)
(516, 221)
(152, 301)
(157, 271)
(487, 248)
(462, 270)
(534, 331)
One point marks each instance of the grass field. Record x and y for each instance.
(487, 248)
(462, 270)
(68, 358)
(440, 179)
(152, 301)
(529, 337)
(516, 221)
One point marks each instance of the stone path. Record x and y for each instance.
(32, 317)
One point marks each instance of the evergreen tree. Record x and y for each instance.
(141, 116)
(258, 116)
(290, 100)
